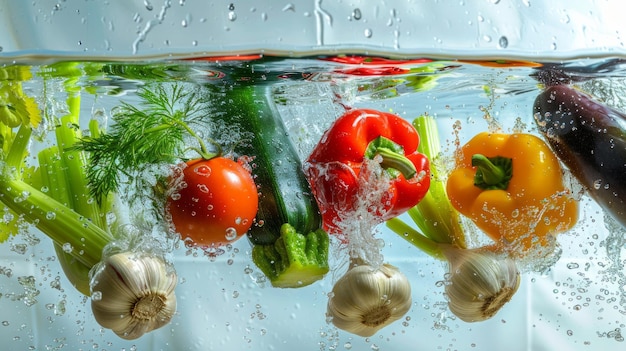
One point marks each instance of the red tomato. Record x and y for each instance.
(216, 204)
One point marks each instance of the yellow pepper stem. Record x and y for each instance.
(492, 172)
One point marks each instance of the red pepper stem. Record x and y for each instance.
(392, 155)
(492, 172)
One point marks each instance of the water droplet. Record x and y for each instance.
(503, 42)
(368, 33)
(356, 14)
(203, 188)
(203, 170)
(148, 5)
(51, 215)
(487, 38)
(347, 345)
(232, 16)
(231, 234)
(231, 7)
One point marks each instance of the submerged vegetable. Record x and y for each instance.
(289, 245)
(294, 259)
(133, 294)
(20, 189)
(511, 187)
(590, 139)
(335, 163)
(479, 281)
(367, 299)
(65, 211)
(211, 205)
(215, 203)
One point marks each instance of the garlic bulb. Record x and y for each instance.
(365, 299)
(133, 294)
(480, 282)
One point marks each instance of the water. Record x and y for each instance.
(225, 302)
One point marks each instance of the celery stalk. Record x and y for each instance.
(47, 212)
(434, 215)
(416, 238)
(54, 219)
(54, 178)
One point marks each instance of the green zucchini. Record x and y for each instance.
(286, 203)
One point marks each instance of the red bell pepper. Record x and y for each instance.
(334, 168)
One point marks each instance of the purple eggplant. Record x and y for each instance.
(590, 139)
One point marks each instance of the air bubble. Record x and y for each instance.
(368, 33)
(572, 265)
(96, 296)
(356, 14)
(231, 234)
(67, 247)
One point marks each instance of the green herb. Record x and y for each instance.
(152, 132)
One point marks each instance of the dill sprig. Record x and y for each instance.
(152, 132)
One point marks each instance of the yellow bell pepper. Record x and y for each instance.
(511, 187)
